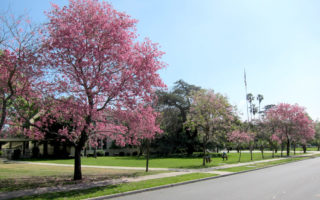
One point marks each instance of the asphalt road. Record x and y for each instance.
(293, 181)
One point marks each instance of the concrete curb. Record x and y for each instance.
(188, 182)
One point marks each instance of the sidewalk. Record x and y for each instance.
(83, 186)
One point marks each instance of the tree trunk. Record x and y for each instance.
(262, 149)
(148, 153)
(45, 149)
(95, 152)
(294, 148)
(204, 154)
(3, 113)
(304, 148)
(272, 153)
(239, 155)
(282, 147)
(77, 163)
(318, 147)
(288, 147)
(251, 148)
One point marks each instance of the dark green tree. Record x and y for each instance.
(174, 106)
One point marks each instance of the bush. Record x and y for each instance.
(106, 153)
(121, 153)
(100, 153)
(135, 153)
(0, 153)
(216, 155)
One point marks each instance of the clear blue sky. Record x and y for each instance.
(209, 43)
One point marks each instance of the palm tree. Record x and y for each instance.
(250, 99)
(259, 98)
(254, 110)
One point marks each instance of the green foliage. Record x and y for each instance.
(100, 153)
(316, 140)
(174, 106)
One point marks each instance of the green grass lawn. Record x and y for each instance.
(26, 176)
(120, 188)
(308, 149)
(260, 165)
(161, 162)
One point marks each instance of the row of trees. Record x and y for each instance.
(207, 120)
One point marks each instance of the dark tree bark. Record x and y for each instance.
(262, 150)
(95, 152)
(3, 113)
(204, 150)
(273, 153)
(148, 154)
(77, 155)
(288, 147)
(45, 149)
(304, 147)
(77, 163)
(251, 149)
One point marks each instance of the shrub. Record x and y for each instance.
(135, 153)
(121, 153)
(216, 155)
(106, 153)
(100, 153)
(0, 153)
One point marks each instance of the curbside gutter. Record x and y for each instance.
(189, 182)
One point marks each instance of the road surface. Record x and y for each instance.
(293, 181)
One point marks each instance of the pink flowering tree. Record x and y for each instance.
(240, 139)
(275, 143)
(209, 113)
(251, 143)
(304, 136)
(19, 73)
(99, 78)
(141, 127)
(291, 123)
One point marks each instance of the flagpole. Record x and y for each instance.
(245, 84)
